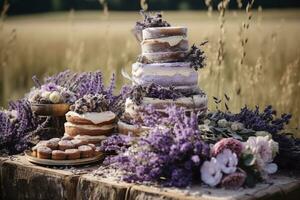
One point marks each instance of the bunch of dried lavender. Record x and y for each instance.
(196, 56)
(170, 155)
(91, 103)
(16, 126)
(138, 92)
(150, 20)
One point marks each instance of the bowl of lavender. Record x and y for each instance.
(50, 99)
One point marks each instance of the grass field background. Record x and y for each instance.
(258, 65)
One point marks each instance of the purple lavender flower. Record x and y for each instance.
(254, 119)
(116, 143)
(170, 153)
(150, 20)
(15, 133)
(50, 87)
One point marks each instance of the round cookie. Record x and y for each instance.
(65, 144)
(44, 152)
(58, 155)
(72, 154)
(52, 144)
(78, 143)
(86, 151)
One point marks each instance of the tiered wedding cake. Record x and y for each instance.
(167, 62)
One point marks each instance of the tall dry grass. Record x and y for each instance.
(253, 56)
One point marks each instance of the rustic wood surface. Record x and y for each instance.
(20, 179)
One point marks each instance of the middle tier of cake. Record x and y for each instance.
(194, 103)
(177, 74)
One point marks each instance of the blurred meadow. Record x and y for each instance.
(253, 57)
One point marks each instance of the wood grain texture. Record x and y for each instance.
(20, 179)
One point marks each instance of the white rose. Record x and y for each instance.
(260, 147)
(211, 172)
(55, 97)
(228, 161)
(46, 94)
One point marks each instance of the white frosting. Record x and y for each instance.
(154, 32)
(90, 127)
(171, 40)
(94, 117)
(154, 69)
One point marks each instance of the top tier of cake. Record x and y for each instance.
(163, 53)
(164, 44)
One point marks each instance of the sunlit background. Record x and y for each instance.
(253, 50)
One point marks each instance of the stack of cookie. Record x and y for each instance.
(92, 127)
(64, 149)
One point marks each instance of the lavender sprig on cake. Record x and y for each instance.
(150, 20)
(91, 103)
(138, 92)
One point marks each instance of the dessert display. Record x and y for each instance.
(183, 145)
(62, 149)
(89, 119)
(165, 72)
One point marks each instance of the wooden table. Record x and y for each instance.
(20, 179)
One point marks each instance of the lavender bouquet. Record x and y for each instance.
(170, 154)
(50, 93)
(16, 127)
